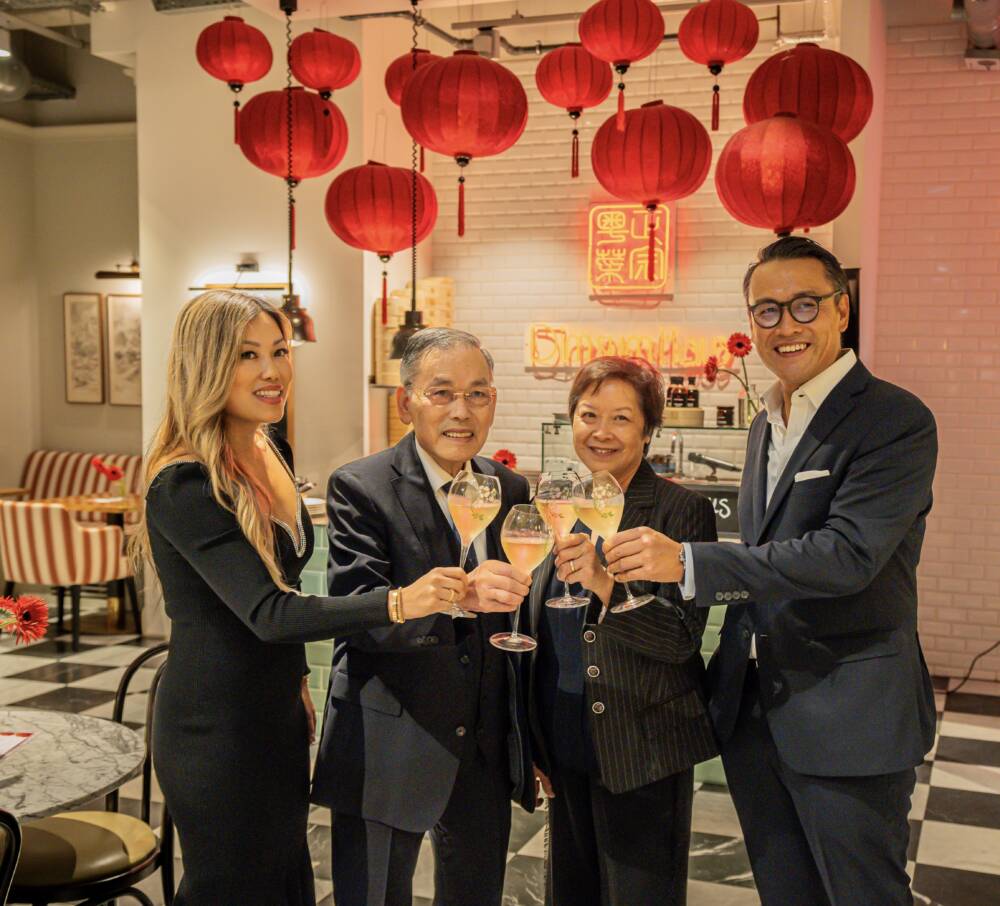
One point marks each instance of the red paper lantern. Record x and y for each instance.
(785, 173)
(370, 208)
(237, 54)
(324, 61)
(572, 78)
(398, 74)
(464, 106)
(716, 33)
(822, 86)
(400, 70)
(622, 32)
(662, 154)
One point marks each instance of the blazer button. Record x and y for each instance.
(465, 659)
(590, 636)
(746, 633)
(460, 731)
(593, 671)
(718, 596)
(728, 596)
(597, 707)
(745, 595)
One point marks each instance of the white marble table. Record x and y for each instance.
(71, 759)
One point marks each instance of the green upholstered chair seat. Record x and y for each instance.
(80, 847)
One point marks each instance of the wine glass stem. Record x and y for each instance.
(462, 557)
(517, 615)
(628, 591)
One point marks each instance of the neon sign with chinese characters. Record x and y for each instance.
(618, 252)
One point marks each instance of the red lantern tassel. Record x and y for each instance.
(620, 119)
(421, 158)
(715, 109)
(236, 122)
(651, 253)
(385, 300)
(461, 205)
(574, 170)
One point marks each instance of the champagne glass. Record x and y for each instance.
(554, 500)
(600, 503)
(527, 539)
(473, 501)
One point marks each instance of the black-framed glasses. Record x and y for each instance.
(803, 309)
(445, 396)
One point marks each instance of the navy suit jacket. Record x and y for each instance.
(389, 751)
(826, 579)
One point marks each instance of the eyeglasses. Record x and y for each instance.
(445, 396)
(803, 309)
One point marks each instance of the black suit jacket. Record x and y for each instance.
(390, 751)
(650, 674)
(826, 578)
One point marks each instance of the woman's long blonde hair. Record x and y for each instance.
(204, 353)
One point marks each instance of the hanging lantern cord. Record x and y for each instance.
(463, 162)
(290, 179)
(715, 69)
(415, 19)
(574, 169)
(236, 88)
(621, 69)
(651, 251)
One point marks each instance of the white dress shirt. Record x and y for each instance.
(438, 478)
(784, 439)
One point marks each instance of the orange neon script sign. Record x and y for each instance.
(552, 350)
(618, 252)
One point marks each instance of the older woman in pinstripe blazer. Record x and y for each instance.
(617, 707)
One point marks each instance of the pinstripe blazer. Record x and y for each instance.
(644, 671)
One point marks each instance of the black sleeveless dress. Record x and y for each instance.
(230, 741)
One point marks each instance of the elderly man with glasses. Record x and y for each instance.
(819, 692)
(423, 731)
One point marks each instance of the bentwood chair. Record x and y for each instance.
(89, 857)
(42, 544)
(10, 851)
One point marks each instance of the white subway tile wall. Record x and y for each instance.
(938, 321)
(524, 255)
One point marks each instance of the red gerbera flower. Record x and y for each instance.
(739, 345)
(505, 458)
(712, 368)
(31, 619)
(114, 473)
(7, 605)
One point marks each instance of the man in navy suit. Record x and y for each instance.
(820, 694)
(424, 727)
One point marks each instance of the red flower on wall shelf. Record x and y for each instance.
(505, 458)
(739, 345)
(27, 618)
(712, 368)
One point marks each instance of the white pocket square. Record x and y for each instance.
(808, 476)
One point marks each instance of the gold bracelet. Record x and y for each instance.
(395, 605)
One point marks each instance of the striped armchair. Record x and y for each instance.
(42, 544)
(59, 473)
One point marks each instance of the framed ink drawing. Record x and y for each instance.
(124, 350)
(83, 348)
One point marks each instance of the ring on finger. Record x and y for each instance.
(451, 593)
(572, 567)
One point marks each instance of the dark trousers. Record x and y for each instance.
(373, 863)
(618, 849)
(816, 841)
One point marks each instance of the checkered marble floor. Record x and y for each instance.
(955, 819)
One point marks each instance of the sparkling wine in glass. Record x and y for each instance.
(554, 500)
(527, 539)
(473, 501)
(600, 503)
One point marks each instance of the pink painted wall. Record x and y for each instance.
(937, 323)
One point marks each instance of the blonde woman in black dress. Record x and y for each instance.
(229, 536)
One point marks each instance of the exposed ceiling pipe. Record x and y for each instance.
(13, 23)
(518, 20)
